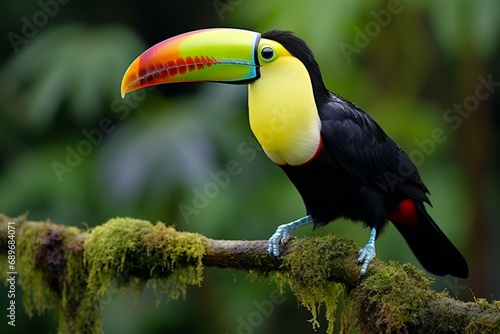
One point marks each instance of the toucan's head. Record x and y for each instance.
(221, 55)
(285, 84)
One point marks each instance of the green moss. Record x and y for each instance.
(42, 264)
(389, 298)
(47, 275)
(172, 247)
(81, 310)
(310, 264)
(106, 249)
(36, 296)
(281, 279)
(479, 325)
(121, 249)
(70, 271)
(493, 306)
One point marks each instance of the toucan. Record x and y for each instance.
(339, 159)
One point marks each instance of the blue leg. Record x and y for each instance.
(283, 233)
(367, 253)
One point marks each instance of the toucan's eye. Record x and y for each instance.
(267, 53)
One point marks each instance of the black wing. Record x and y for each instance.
(360, 147)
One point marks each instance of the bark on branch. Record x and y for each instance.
(71, 270)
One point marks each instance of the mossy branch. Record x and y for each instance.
(71, 270)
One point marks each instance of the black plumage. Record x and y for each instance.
(359, 173)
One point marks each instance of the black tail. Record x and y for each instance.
(432, 248)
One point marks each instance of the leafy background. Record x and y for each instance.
(152, 151)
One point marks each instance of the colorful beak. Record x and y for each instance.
(221, 55)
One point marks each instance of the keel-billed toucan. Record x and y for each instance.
(339, 159)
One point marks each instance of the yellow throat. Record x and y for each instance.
(283, 113)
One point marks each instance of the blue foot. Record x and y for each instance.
(367, 253)
(283, 234)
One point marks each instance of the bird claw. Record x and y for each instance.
(365, 256)
(282, 235)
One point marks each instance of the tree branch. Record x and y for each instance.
(70, 269)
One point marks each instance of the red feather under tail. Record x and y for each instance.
(433, 249)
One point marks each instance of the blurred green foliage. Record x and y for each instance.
(73, 151)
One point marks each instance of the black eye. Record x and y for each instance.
(267, 53)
